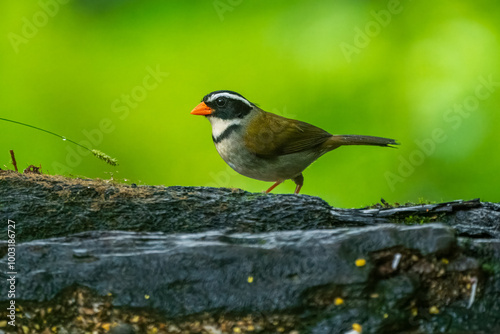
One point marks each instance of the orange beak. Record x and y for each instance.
(202, 109)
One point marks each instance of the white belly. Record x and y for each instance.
(280, 168)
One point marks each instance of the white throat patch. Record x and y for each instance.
(229, 95)
(220, 125)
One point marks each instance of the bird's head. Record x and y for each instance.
(224, 105)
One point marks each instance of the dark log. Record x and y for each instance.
(205, 260)
(51, 206)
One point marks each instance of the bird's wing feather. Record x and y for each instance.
(271, 135)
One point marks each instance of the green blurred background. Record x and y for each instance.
(425, 73)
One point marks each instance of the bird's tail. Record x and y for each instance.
(339, 140)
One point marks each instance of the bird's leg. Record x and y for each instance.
(273, 186)
(299, 181)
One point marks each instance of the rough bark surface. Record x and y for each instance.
(228, 253)
(56, 206)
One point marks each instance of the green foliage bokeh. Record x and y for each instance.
(414, 71)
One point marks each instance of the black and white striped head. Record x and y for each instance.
(227, 111)
(224, 104)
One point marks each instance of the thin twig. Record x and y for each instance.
(97, 153)
(13, 160)
(49, 132)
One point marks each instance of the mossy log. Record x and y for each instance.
(51, 206)
(206, 260)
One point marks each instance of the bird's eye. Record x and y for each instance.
(221, 102)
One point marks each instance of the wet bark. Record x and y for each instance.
(216, 257)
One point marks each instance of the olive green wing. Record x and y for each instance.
(271, 135)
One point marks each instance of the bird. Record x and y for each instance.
(269, 147)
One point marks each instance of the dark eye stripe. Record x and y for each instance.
(220, 102)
